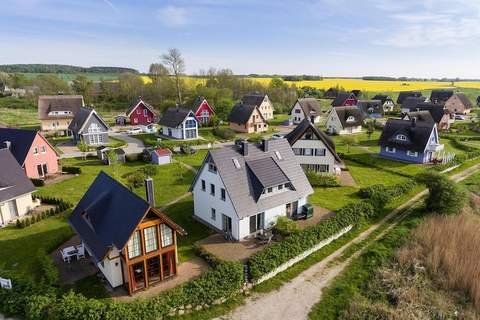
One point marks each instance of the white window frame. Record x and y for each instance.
(213, 214)
(390, 150)
(412, 153)
(150, 239)
(35, 151)
(167, 235)
(401, 137)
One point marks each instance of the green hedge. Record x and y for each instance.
(379, 194)
(224, 133)
(36, 300)
(275, 255)
(322, 179)
(72, 170)
(38, 182)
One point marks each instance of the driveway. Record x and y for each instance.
(133, 144)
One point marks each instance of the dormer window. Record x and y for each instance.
(351, 119)
(401, 137)
(212, 167)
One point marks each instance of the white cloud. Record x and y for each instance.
(173, 17)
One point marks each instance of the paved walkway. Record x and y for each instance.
(295, 298)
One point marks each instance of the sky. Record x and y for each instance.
(414, 38)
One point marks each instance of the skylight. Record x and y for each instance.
(236, 163)
(278, 155)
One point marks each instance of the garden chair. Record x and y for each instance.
(80, 251)
(65, 256)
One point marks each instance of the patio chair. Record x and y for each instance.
(65, 257)
(80, 251)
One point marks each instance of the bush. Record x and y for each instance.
(285, 226)
(149, 170)
(133, 157)
(136, 179)
(224, 133)
(72, 170)
(275, 255)
(322, 179)
(38, 182)
(445, 196)
(379, 195)
(49, 272)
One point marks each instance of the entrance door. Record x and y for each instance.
(226, 224)
(289, 210)
(12, 208)
(137, 272)
(168, 264)
(295, 207)
(153, 270)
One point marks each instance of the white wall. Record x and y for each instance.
(315, 144)
(298, 117)
(179, 132)
(204, 202)
(334, 126)
(112, 268)
(23, 203)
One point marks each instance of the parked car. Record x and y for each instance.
(150, 129)
(135, 130)
(460, 117)
(277, 136)
(186, 149)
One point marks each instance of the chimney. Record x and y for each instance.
(7, 144)
(414, 122)
(245, 148)
(265, 145)
(149, 191)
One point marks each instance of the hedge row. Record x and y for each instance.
(379, 194)
(224, 133)
(322, 180)
(38, 182)
(277, 254)
(72, 170)
(34, 218)
(36, 300)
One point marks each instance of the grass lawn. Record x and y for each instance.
(278, 119)
(19, 247)
(21, 118)
(195, 160)
(172, 177)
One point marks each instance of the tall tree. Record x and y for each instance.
(157, 70)
(174, 61)
(82, 85)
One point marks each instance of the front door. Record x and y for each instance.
(295, 207)
(153, 270)
(226, 224)
(289, 209)
(168, 264)
(137, 274)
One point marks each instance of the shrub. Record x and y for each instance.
(72, 170)
(149, 170)
(133, 157)
(136, 179)
(322, 179)
(49, 272)
(38, 182)
(224, 133)
(445, 196)
(285, 226)
(379, 195)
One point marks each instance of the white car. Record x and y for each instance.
(136, 130)
(149, 129)
(459, 117)
(277, 136)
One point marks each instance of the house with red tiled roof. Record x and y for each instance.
(161, 156)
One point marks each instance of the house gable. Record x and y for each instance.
(93, 118)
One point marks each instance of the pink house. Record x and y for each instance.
(141, 113)
(31, 150)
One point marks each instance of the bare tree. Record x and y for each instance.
(158, 70)
(174, 61)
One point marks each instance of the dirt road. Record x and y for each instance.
(295, 298)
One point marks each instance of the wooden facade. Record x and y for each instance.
(150, 268)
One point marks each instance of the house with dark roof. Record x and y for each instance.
(306, 108)
(405, 94)
(410, 103)
(141, 113)
(132, 243)
(410, 140)
(89, 127)
(345, 120)
(331, 93)
(247, 119)
(15, 189)
(179, 123)
(440, 115)
(111, 155)
(56, 112)
(32, 151)
(314, 150)
(459, 103)
(345, 99)
(387, 102)
(241, 190)
(263, 103)
(424, 116)
(440, 95)
(371, 108)
(202, 110)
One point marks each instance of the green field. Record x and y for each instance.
(70, 77)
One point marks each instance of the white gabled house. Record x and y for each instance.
(344, 120)
(306, 108)
(242, 190)
(179, 123)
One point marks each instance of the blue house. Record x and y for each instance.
(410, 140)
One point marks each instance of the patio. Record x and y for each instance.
(230, 251)
(319, 214)
(76, 269)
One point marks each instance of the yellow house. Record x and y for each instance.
(56, 112)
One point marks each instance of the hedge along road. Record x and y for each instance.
(294, 299)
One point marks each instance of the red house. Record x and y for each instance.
(345, 99)
(31, 150)
(141, 113)
(203, 111)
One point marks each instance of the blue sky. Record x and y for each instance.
(422, 38)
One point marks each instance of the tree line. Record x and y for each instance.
(61, 68)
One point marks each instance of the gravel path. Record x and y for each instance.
(295, 298)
